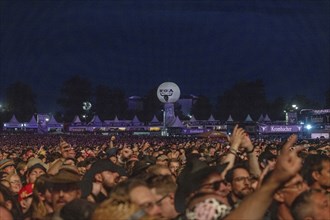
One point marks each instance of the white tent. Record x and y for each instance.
(32, 123)
(13, 123)
(177, 123)
(248, 119)
(211, 118)
(230, 119)
(116, 119)
(136, 121)
(193, 119)
(267, 119)
(53, 123)
(76, 120)
(95, 121)
(154, 120)
(261, 118)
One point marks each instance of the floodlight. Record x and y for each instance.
(308, 127)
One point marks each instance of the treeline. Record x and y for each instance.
(245, 97)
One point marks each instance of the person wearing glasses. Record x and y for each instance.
(163, 187)
(254, 206)
(284, 196)
(239, 181)
(197, 177)
(141, 195)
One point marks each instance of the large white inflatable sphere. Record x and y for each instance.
(168, 92)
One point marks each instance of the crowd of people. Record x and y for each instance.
(97, 177)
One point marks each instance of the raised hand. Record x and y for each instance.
(288, 163)
(246, 143)
(236, 138)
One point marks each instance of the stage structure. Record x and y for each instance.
(168, 93)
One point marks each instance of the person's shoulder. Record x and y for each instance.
(53, 216)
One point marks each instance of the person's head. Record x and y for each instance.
(267, 158)
(316, 171)
(25, 197)
(34, 172)
(65, 188)
(140, 194)
(197, 177)
(214, 183)
(158, 169)
(21, 168)
(239, 180)
(311, 205)
(42, 197)
(15, 182)
(174, 166)
(8, 200)
(7, 165)
(125, 154)
(290, 190)
(77, 209)
(164, 187)
(162, 160)
(106, 173)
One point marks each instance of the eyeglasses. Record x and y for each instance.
(149, 205)
(242, 178)
(15, 182)
(215, 185)
(159, 201)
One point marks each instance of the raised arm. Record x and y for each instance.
(254, 206)
(235, 141)
(252, 156)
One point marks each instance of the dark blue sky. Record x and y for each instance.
(203, 46)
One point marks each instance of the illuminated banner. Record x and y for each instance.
(192, 131)
(280, 128)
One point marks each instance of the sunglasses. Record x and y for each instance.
(215, 185)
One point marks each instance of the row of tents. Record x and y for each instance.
(51, 123)
(32, 124)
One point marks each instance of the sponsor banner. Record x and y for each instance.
(77, 129)
(192, 131)
(280, 128)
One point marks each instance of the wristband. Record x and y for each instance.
(232, 149)
(232, 152)
(250, 152)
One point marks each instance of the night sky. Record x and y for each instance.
(203, 46)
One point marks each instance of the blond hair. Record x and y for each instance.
(114, 209)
